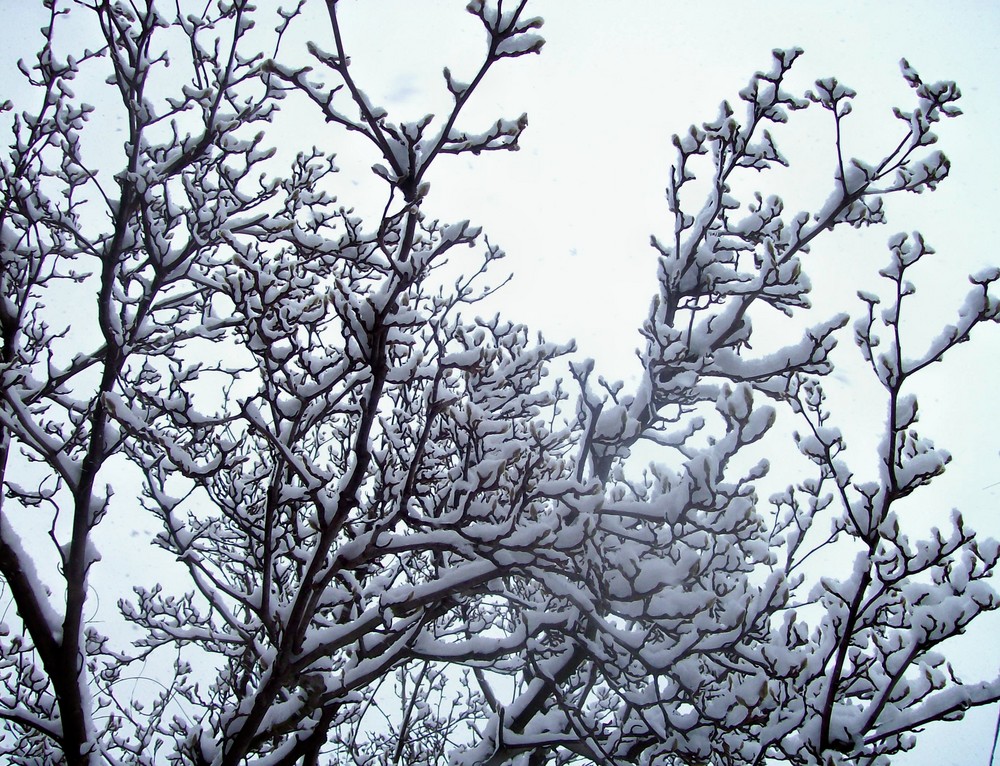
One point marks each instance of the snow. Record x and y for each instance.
(39, 593)
(444, 503)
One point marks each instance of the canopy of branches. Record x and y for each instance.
(399, 532)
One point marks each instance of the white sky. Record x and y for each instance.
(575, 208)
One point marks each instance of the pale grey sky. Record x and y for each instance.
(575, 208)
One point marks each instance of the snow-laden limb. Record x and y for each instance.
(881, 639)
(408, 149)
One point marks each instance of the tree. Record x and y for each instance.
(366, 486)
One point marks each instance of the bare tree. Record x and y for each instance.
(396, 541)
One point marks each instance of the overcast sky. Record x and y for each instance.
(575, 208)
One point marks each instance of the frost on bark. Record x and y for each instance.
(397, 538)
